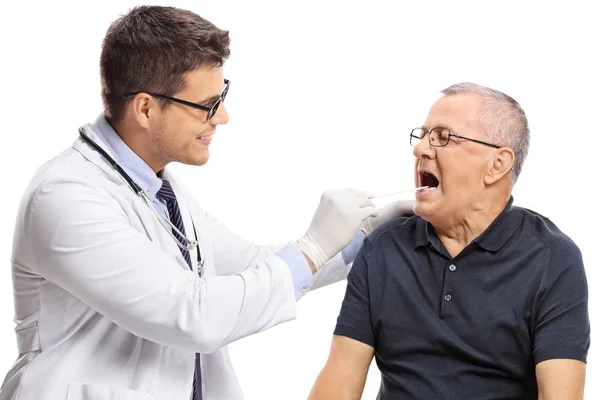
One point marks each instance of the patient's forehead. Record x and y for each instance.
(456, 112)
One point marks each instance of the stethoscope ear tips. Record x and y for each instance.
(192, 245)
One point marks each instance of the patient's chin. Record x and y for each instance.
(420, 209)
(425, 210)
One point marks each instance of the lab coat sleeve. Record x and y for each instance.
(84, 243)
(232, 253)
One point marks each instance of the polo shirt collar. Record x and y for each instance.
(501, 229)
(492, 239)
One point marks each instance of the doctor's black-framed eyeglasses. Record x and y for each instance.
(210, 110)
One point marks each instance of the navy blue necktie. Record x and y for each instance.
(166, 193)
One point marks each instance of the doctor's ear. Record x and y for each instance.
(144, 107)
(499, 165)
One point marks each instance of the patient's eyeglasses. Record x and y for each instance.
(439, 137)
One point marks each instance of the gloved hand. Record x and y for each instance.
(387, 213)
(339, 215)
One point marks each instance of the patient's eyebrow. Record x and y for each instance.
(443, 126)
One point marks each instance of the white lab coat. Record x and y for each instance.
(107, 308)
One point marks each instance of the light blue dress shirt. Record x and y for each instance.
(148, 181)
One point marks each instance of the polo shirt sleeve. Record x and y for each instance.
(354, 320)
(562, 326)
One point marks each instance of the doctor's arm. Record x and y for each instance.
(234, 253)
(562, 331)
(329, 245)
(86, 244)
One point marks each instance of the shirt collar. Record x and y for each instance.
(501, 229)
(421, 236)
(134, 166)
(425, 235)
(492, 239)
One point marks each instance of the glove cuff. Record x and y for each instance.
(366, 228)
(309, 246)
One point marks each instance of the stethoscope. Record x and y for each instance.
(166, 223)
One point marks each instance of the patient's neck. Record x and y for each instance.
(458, 231)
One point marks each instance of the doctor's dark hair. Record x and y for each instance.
(151, 48)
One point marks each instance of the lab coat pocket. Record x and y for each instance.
(78, 391)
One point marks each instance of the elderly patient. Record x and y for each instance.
(472, 297)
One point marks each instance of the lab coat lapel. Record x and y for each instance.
(95, 157)
(154, 229)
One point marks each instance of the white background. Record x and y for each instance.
(323, 96)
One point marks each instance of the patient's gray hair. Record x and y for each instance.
(502, 119)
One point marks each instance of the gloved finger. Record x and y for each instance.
(368, 211)
(361, 193)
(365, 202)
(405, 207)
(401, 206)
(369, 194)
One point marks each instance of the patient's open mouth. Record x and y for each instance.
(428, 179)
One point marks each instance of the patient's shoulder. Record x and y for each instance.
(546, 231)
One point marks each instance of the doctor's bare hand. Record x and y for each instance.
(338, 217)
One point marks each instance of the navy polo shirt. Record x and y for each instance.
(472, 326)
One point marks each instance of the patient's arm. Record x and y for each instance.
(560, 379)
(354, 337)
(562, 327)
(345, 373)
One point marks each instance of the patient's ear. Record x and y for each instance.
(500, 165)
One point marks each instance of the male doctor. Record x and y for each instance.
(113, 297)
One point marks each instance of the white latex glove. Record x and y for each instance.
(387, 213)
(339, 215)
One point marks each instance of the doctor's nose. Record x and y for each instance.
(221, 116)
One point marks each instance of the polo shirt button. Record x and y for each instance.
(447, 297)
(303, 291)
(452, 267)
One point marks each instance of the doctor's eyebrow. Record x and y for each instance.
(209, 100)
